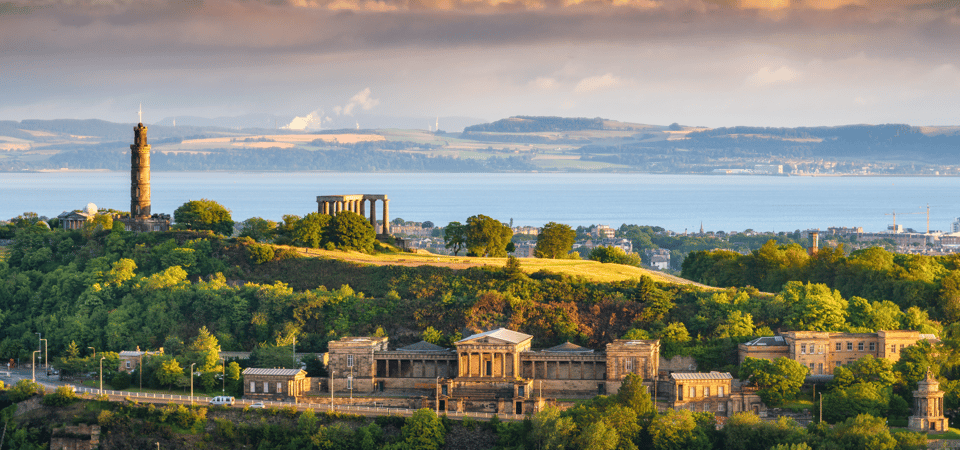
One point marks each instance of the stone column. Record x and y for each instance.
(386, 216)
(373, 214)
(363, 204)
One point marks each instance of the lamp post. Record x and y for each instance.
(351, 385)
(33, 361)
(140, 370)
(223, 376)
(438, 397)
(331, 390)
(191, 382)
(101, 373)
(46, 362)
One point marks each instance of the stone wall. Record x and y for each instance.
(75, 437)
(678, 364)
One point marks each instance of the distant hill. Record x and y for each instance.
(535, 124)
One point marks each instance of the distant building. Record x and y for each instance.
(131, 359)
(529, 231)
(75, 220)
(768, 168)
(659, 258)
(928, 407)
(140, 218)
(715, 392)
(604, 232)
(822, 351)
(955, 226)
(274, 384)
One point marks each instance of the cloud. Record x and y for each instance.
(597, 83)
(544, 83)
(363, 100)
(767, 76)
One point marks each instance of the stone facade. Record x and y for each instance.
(821, 352)
(75, 437)
(492, 371)
(140, 218)
(131, 359)
(714, 392)
(275, 384)
(928, 407)
(333, 204)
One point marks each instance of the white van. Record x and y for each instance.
(222, 400)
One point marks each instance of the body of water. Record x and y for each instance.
(675, 202)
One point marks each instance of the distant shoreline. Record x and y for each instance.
(812, 175)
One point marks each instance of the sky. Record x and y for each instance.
(695, 62)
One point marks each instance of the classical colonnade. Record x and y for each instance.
(335, 204)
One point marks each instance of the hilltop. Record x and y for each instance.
(515, 144)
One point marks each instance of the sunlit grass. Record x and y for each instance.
(591, 270)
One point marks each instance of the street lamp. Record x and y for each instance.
(46, 361)
(140, 371)
(33, 360)
(331, 390)
(223, 376)
(101, 373)
(191, 382)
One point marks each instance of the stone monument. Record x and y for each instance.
(928, 406)
(140, 219)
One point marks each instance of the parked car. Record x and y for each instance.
(258, 405)
(222, 400)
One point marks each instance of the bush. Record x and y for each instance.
(64, 395)
(23, 390)
(120, 381)
(259, 253)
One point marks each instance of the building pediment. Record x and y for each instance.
(500, 336)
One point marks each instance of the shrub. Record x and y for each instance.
(23, 390)
(64, 395)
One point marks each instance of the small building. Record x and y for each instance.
(274, 384)
(75, 220)
(131, 359)
(928, 406)
(713, 392)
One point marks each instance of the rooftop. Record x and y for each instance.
(503, 334)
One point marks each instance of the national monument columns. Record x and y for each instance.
(335, 204)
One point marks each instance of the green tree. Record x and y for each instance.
(169, 372)
(859, 398)
(550, 430)
(455, 237)
(350, 231)
(555, 241)
(258, 229)
(486, 236)
(776, 380)
(423, 431)
(204, 350)
(309, 231)
(204, 215)
(863, 432)
(677, 430)
(811, 306)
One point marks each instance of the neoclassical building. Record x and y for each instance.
(496, 370)
(822, 351)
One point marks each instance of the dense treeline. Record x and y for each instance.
(534, 124)
(931, 283)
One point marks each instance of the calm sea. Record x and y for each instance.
(675, 202)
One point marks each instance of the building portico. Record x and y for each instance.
(335, 204)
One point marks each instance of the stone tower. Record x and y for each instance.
(928, 406)
(140, 173)
(140, 218)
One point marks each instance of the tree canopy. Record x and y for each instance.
(555, 240)
(204, 214)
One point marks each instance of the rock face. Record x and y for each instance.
(75, 437)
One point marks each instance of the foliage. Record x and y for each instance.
(258, 229)
(614, 255)
(23, 390)
(455, 237)
(311, 231)
(351, 231)
(776, 380)
(555, 240)
(677, 430)
(486, 236)
(423, 431)
(204, 214)
(63, 395)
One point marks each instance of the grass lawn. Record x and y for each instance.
(798, 405)
(952, 433)
(591, 270)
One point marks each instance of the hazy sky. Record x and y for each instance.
(697, 62)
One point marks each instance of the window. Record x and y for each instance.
(803, 349)
(706, 392)
(279, 387)
(811, 367)
(820, 349)
(820, 368)
(693, 391)
(901, 347)
(128, 364)
(253, 386)
(720, 391)
(893, 348)
(350, 383)
(849, 346)
(266, 387)
(839, 346)
(860, 346)
(519, 391)
(721, 407)
(349, 360)
(873, 346)
(629, 365)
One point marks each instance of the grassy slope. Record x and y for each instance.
(591, 270)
